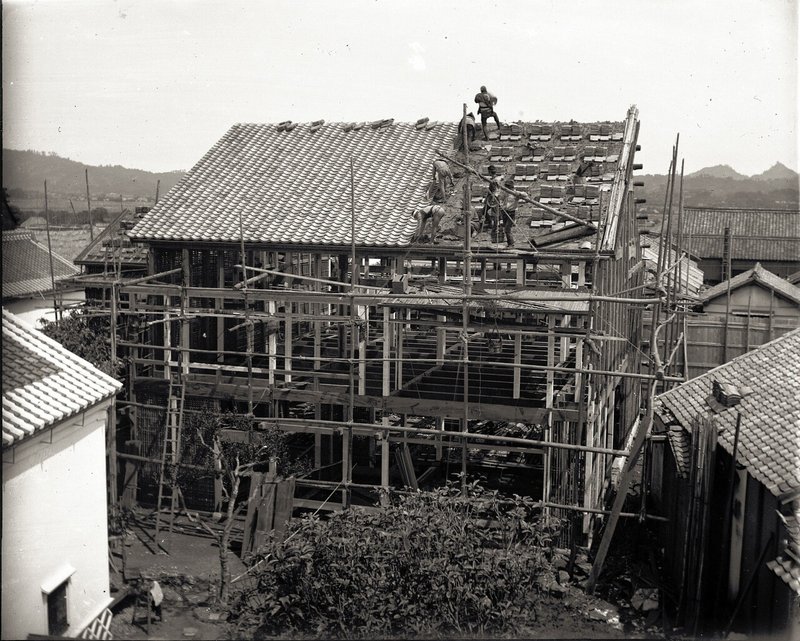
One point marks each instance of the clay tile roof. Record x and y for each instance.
(755, 275)
(769, 440)
(43, 383)
(293, 187)
(679, 441)
(113, 243)
(26, 265)
(758, 234)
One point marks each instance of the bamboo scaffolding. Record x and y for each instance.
(377, 428)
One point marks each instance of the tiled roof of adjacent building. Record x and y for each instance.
(291, 185)
(26, 265)
(44, 383)
(769, 440)
(755, 275)
(758, 234)
(114, 243)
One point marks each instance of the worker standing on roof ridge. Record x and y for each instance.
(486, 102)
(510, 205)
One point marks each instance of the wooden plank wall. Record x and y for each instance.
(706, 338)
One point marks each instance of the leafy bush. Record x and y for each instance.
(86, 333)
(428, 563)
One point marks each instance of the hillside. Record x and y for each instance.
(718, 171)
(776, 188)
(25, 171)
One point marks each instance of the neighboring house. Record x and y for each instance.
(27, 283)
(768, 236)
(688, 278)
(55, 541)
(110, 253)
(749, 569)
(762, 307)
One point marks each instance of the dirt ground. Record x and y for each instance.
(188, 575)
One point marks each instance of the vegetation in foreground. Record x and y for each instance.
(428, 563)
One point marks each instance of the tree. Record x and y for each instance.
(86, 333)
(428, 564)
(205, 446)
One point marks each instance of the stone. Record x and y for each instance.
(645, 599)
(563, 577)
(189, 632)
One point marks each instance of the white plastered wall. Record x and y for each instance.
(55, 524)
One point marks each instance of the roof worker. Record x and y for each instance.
(470, 122)
(441, 177)
(432, 213)
(509, 208)
(486, 102)
(491, 205)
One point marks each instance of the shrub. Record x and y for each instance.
(428, 563)
(86, 333)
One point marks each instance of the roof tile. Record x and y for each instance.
(43, 383)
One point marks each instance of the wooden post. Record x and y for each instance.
(441, 338)
(272, 344)
(549, 393)
(317, 311)
(517, 361)
(363, 314)
(387, 351)
(287, 342)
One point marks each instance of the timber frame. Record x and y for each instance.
(534, 368)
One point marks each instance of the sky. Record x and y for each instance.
(154, 84)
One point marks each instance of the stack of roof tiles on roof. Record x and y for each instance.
(758, 234)
(43, 383)
(769, 441)
(293, 186)
(26, 265)
(755, 275)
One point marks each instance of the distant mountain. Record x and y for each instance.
(778, 171)
(722, 186)
(26, 171)
(717, 171)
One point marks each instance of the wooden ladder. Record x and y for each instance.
(170, 452)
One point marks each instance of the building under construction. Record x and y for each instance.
(287, 280)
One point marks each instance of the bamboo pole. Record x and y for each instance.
(89, 206)
(50, 254)
(467, 213)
